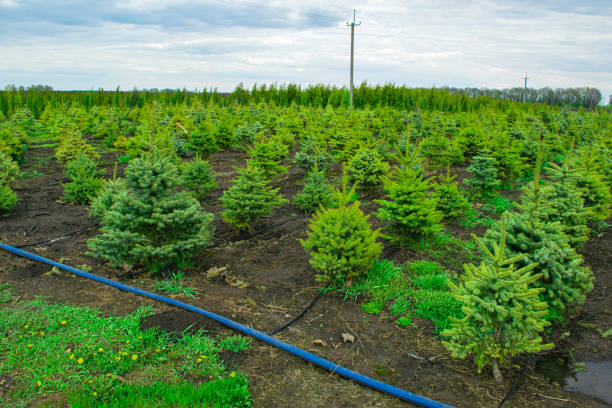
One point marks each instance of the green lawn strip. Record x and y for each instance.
(419, 289)
(225, 392)
(82, 357)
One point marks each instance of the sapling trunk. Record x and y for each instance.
(496, 373)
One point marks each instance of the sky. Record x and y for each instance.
(84, 45)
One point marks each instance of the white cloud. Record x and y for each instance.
(179, 44)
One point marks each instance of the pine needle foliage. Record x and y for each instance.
(72, 144)
(484, 180)
(316, 193)
(108, 195)
(310, 152)
(565, 279)
(566, 202)
(409, 209)
(503, 313)
(85, 181)
(450, 201)
(341, 242)
(268, 155)
(8, 199)
(150, 223)
(8, 171)
(198, 177)
(367, 169)
(596, 192)
(250, 198)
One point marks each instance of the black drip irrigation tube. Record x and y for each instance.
(298, 317)
(529, 364)
(52, 240)
(310, 357)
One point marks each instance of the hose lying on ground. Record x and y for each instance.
(313, 358)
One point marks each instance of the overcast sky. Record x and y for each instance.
(72, 44)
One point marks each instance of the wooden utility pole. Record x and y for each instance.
(525, 89)
(352, 25)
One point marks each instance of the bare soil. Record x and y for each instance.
(280, 284)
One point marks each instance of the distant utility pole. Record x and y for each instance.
(525, 90)
(352, 25)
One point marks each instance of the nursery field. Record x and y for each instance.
(389, 317)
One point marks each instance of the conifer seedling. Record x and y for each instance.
(250, 198)
(503, 313)
(341, 242)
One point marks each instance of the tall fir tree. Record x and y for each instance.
(150, 223)
(566, 202)
(503, 313)
(565, 279)
(595, 190)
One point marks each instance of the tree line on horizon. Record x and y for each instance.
(444, 99)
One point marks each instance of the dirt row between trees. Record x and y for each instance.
(280, 284)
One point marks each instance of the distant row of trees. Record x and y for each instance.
(584, 97)
(444, 99)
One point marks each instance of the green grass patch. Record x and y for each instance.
(6, 291)
(235, 343)
(225, 392)
(445, 248)
(417, 290)
(174, 285)
(84, 359)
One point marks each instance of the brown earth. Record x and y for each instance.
(280, 284)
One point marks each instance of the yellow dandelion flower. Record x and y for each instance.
(95, 394)
(117, 358)
(80, 361)
(38, 383)
(91, 381)
(156, 350)
(232, 374)
(63, 322)
(42, 333)
(100, 349)
(127, 342)
(108, 374)
(134, 356)
(26, 326)
(203, 357)
(95, 354)
(29, 346)
(139, 337)
(71, 357)
(199, 360)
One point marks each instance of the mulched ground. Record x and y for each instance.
(280, 284)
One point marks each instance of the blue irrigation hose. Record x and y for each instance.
(313, 358)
